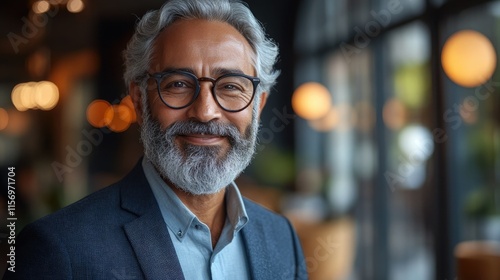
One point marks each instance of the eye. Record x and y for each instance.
(177, 84)
(231, 87)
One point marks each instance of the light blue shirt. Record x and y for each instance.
(191, 238)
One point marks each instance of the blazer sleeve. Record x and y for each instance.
(40, 255)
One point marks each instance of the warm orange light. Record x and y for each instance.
(127, 101)
(4, 119)
(311, 101)
(468, 58)
(120, 117)
(394, 114)
(96, 112)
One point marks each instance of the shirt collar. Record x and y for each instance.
(178, 217)
(236, 212)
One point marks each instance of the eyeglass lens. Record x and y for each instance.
(232, 92)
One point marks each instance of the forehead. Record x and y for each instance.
(200, 45)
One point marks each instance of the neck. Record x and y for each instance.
(210, 210)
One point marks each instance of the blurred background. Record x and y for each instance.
(381, 141)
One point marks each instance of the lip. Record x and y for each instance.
(202, 139)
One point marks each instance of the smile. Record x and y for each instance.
(202, 139)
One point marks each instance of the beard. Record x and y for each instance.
(198, 170)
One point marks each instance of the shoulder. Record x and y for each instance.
(257, 210)
(91, 218)
(89, 229)
(44, 249)
(102, 201)
(99, 207)
(266, 219)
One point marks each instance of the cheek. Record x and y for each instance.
(242, 120)
(163, 114)
(155, 102)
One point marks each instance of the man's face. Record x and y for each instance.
(207, 49)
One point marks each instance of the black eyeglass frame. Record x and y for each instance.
(158, 76)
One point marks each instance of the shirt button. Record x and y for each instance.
(179, 233)
(197, 226)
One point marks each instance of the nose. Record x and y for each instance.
(205, 108)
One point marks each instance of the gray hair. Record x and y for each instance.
(139, 50)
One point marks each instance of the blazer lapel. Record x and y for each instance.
(271, 254)
(257, 250)
(148, 233)
(153, 247)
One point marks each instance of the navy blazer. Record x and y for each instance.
(119, 233)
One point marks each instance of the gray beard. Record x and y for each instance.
(197, 170)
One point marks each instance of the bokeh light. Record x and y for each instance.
(16, 98)
(417, 145)
(35, 95)
(468, 58)
(28, 95)
(412, 84)
(416, 142)
(117, 117)
(311, 101)
(40, 7)
(75, 6)
(96, 112)
(120, 117)
(46, 95)
(127, 101)
(4, 118)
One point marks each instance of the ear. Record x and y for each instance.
(135, 94)
(263, 100)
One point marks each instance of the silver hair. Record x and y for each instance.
(139, 50)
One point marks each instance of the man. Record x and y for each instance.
(199, 72)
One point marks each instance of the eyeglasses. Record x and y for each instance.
(178, 89)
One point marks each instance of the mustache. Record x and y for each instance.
(209, 128)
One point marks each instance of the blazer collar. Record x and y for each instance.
(148, 233)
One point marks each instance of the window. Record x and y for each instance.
(408, 154)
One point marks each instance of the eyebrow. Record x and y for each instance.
(224, 71)
(219, 71)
